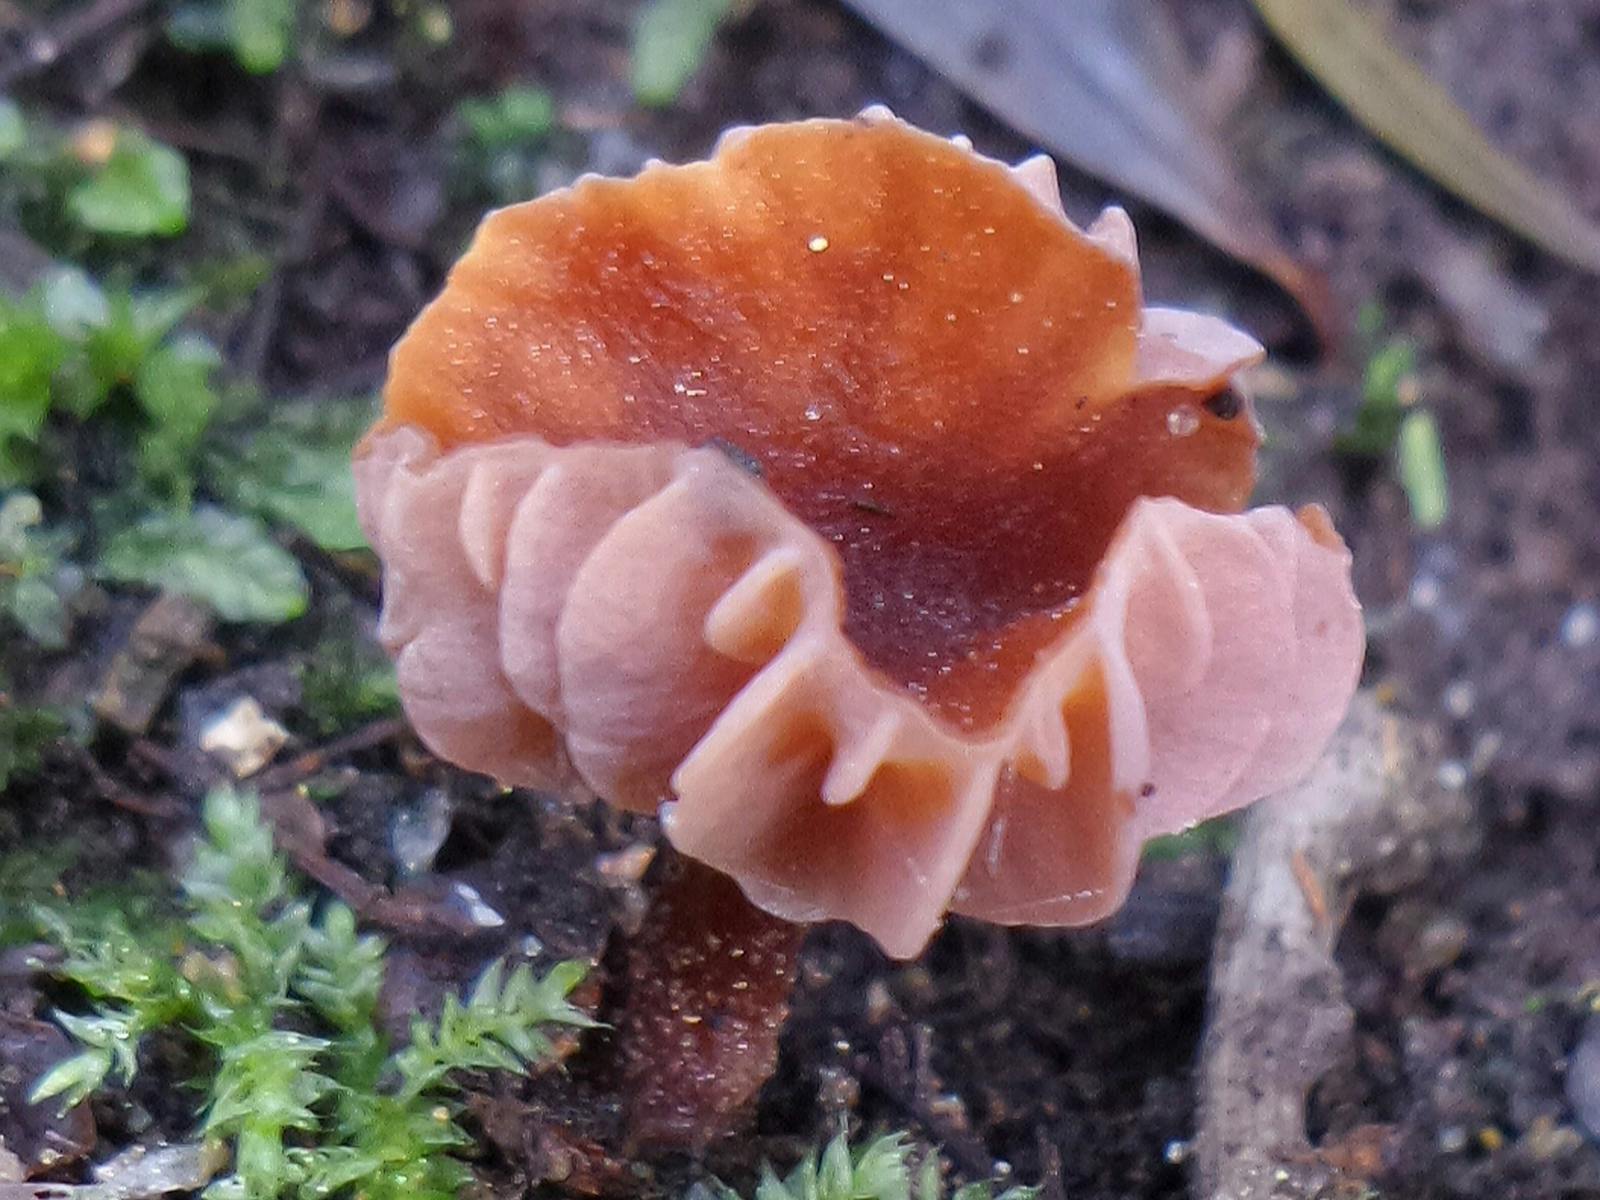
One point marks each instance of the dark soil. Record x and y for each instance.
(1064, 1058)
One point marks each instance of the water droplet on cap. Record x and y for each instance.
(1182, 421)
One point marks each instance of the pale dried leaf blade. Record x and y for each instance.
(1352, 56)
(1105, 85)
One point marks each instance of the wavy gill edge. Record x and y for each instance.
(704, 671)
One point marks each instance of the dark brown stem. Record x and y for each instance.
(704, 992)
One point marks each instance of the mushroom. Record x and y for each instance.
(840, 501)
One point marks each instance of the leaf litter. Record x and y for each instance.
(1106, 85)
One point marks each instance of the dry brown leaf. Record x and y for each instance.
(1105, 85)
(1352, 56)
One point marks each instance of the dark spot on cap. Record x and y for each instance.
(1226, 404)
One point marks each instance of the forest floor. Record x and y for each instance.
(1066, 1058)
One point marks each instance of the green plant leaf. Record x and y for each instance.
(262, 31)
(669, 43)
(879, 1170)
(518, 116)
(153, 315)
(1217, 837)
(13, 129)
(29, 562)
(73, 303)
(1352, 55)
(497, 1029)
(74, 1078)
(835, 1172)
(30, 353)
(297, 471)
(173, 386)
(342, 972)
(226, 561)
(140, 191)
(38, 609)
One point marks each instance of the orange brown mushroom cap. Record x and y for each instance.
(840, 499)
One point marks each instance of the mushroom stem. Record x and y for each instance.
(705, 987)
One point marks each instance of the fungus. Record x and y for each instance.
(839, 500)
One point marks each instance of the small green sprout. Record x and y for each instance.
(135, 188)
(97, 185)
(31, 352)
(880, 1170)
(72, 352)
(1389, 387)
(1391, 423)
(1422, 471)
(226, 561)
(516, 118)
(73, 349)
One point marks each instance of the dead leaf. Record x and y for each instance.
(1352, 56)
(1106, 85)
(40, 1136)
(166, 639)
(243, 736)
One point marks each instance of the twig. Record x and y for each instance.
(300, 834)
(377, 733)
(44, 49)
(263, 323)
(349, 566)
(186, 136)
(1279, 1019)
(262, 326)
(1050, 1185)
(118, 794)
(908, 1089)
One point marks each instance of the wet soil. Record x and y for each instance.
(1061, 1058)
